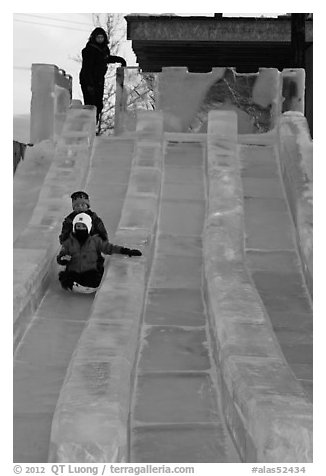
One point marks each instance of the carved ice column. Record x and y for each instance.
(51, 97)
(293, 89)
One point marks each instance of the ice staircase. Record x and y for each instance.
(200, 350)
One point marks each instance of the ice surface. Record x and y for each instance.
(175, 443)
(184, 155)
(177, 271)
(139, 212)
(176, 306)
(166, 396)
(184, 217)
(147, 154)
(171, 348)
(145, 180)
(180, 245)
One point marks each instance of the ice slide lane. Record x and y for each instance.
(176, 413)
(93, 411)
(42, 357)
(273, 259)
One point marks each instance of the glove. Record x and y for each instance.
(129, 252)
(64, 260)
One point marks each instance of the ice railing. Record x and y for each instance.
(51, 98)
(186, 98)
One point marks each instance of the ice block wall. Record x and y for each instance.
(51, 96)
(186, 98)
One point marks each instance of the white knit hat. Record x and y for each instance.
(83, 218)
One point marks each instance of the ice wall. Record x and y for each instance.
(186, 98)
(254, 97)
(51, 96)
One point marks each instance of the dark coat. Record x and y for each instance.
(98, 227)
(85, 257)
(95, 61)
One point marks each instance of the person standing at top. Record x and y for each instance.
(95, 58)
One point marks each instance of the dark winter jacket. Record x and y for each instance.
(85, 257)
(98, 227)
(95, 60)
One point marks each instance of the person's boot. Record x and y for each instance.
(65, 281)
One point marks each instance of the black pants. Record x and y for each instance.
(94, 99)
(91, 278)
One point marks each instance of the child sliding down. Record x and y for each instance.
(80, 254)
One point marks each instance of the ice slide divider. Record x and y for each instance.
(90, 423)
(36, 246)
(296, 164)
(265, 408)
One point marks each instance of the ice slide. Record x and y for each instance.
(45, 342)
(200, 351)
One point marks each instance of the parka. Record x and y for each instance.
(84, 257)
(95, 60)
